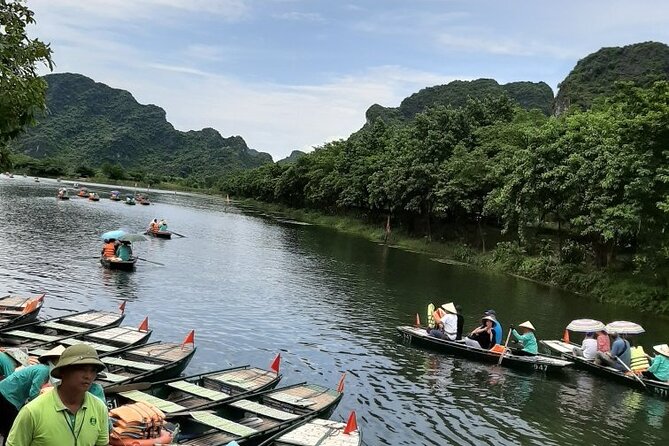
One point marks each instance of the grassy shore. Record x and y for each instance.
(642, 292)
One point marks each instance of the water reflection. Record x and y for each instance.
(254, 286)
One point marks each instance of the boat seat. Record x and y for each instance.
(99, 347)
(31, 335)
(128, 363)
(193, 389)
(164, 405)
(222, 424)
(12, 312)
(260, 409)
(245, 382)
(65, 327)
(284, 397)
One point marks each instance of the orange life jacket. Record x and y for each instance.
(109, 250)
(154, 227)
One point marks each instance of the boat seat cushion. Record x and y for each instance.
(222, 424)
(164, 405)
(260, 409)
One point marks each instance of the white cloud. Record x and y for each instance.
(300, 16)
(502, 46)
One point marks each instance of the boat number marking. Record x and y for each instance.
(541, 367)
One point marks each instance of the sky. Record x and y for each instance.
(293, 74)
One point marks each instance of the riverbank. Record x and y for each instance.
(622, 288)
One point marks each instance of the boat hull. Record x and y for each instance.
(539, 363)
(122, 265)
(160, 234)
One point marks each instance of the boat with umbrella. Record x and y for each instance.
(115, 195)
(125, 238)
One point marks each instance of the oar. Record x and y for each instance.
(127, 387)
(151, 261)
(630, 370)
(176, 233)
(501, 356)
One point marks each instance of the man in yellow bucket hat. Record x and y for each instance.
(68, 415)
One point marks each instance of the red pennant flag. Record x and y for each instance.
(276, 363)
(144, 326)
(340, 386)
(41, 298)
(565, 336)
(122, 307)
(352, 424)
(417, 320)
(189, 339)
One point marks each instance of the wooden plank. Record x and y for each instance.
(127, 363)
(247, 379)
(164, 405)
(320, 433)
(31, 335)
(222, 424)
(64, 327)
(257, 408)
(193, 389)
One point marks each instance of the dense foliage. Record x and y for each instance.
(91, 124)
(596, 74)
(22, 91)
(528, 95)
(588, 188)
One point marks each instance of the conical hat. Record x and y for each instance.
(528, 325)
(18, 355)
(449, 307)
(52, 354)
(662, 349)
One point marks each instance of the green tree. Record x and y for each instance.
(112, 171)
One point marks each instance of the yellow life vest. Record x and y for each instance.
(639, 362)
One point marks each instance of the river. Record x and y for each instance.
(252, 285)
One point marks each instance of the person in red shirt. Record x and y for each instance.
(603, 342)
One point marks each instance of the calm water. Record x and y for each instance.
(253, 286)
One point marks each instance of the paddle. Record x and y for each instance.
(630, 370)
(151, 261)
(176, 233)
(501, 356)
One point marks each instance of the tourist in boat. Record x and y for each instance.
(588, 348)
(124, 250)
(10, 359)
(603, 342)
(527, 339)
(109, 248)
(620, 350)
(153, 226)
(461, 323)
(659, 367)
(482, 336)
(497, 327)
(450, 321)
(438, 331)
(22, 386)
(40, 423)
(163, 225)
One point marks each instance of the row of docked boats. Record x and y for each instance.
(240, 404)
(562, 356)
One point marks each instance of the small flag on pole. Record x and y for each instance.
(144, 326)
(417, 320)
(189, 339)
(340, 386)
(352, 424)
(565, 336)
(41, 297)
(276, 364)
(122, 307)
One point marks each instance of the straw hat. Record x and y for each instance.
(78, 354)
(449, 307)
(662, 349)
(18, 355)
(52, 355)
(488, 318)
(528, 325)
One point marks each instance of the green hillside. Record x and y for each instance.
(595, 74)
(89, 123)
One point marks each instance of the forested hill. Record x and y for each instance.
(90, 123)
(529, 95)
(596, 74)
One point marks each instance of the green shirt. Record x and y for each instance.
(47, 422)
(528, 340)
(660, 367)
(24, 385)
(7, 365)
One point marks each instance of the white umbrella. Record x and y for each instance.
(624, 327)
(585, 325)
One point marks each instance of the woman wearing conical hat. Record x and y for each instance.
(659, 368)
(450, 321)
(527, 339)
(10, 359)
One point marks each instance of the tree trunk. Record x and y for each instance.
(387, 230)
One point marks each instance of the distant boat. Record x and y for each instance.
(75, 185)
(129, 199)
(36, 180)
(115, 195)
(62, 194)
(83, 192)
(11, 175)
(93, 196)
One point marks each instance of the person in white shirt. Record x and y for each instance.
(450, 321)
(588, 349)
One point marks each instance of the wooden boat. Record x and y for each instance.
(36, 180)
(539, 363)
(151, 362)
(83, 193)
(93, 196)
(116, 263)
(129, 199)
(200, 391)
(251, 419)
(566, 350)
(16, 310)
(115, 195)
(315, 432)
(59, 328)
(160, 234)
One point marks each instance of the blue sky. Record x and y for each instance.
(292, 74)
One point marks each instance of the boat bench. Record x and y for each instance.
(164, 405)
(31, 335)
(203, 392)
(260, 409)
(222, 424)
(247, 382)
(128, 363)
(65, 327)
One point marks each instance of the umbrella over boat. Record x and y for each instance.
(585, 325)
(113, 234)
(132, 238)
(624, 327)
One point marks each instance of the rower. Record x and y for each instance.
(527, 339)
(659, 368)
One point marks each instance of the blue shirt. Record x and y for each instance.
(497, 328)
(124, 252)
(25, 384)
(621, 348)
(660, 367)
